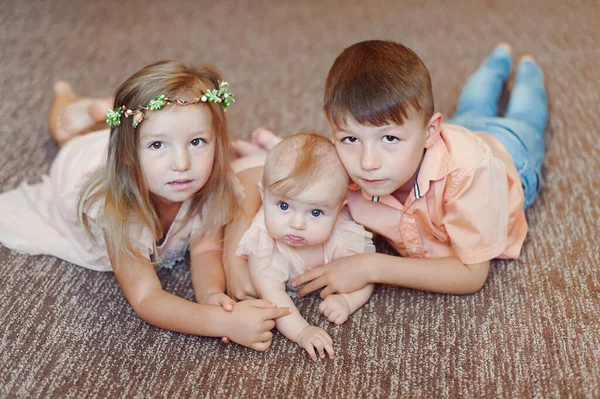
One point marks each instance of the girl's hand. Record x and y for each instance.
(342, 275)
(311, 338)
(220, 299)
(250, 323)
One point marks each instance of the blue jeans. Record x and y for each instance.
(521, 129)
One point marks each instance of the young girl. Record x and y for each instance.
(301, 226)
(138, 197)
(446, 198)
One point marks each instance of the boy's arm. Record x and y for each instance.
(239, 285)
(442, 275)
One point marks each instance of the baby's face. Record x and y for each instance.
(305, 220)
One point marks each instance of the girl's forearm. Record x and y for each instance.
(442, 275)
(170, 312)
(207, 274)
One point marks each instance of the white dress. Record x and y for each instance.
(283, 263)
(42, 218)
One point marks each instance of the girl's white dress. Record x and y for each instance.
(42, 218)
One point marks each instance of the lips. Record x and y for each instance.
(373, 181)
(180, 184)
(294, 239)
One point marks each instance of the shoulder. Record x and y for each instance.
(466, 148)
(349, 238)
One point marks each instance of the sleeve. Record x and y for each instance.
(204, 243)
(476, 212)
(350, 238)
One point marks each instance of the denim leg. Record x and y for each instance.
(528, 97)
(480, 94)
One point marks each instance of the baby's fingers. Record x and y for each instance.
(308, 347)
(227, 303)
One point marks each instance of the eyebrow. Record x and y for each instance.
(163, 135)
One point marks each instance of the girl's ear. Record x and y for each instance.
(433, 129)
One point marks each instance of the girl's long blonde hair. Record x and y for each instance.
(122, 185)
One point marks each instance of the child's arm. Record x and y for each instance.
(442, 275)
(338, 307)
(239, 285)
(249, 323)
(294, 327)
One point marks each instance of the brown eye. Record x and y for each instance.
(157, 145)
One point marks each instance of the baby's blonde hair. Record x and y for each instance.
(122, 184)
(300, 160)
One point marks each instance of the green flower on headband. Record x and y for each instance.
(225, 94)
(212, 96)
(113, 117)
(157, 103)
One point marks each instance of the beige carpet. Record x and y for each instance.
(533, 331)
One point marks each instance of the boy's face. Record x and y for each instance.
(382, 159)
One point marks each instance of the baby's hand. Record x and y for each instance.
(220, 299)
(336, 308)
(312, 337)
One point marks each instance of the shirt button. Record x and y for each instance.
(405, 219)
(413, 249)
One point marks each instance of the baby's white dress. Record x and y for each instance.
(42, 218)
(284, 263)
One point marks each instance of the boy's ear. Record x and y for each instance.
(433, 129)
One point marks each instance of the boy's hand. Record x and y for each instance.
(336, 308)
(342, 275)
(250, 323)
(312, 337)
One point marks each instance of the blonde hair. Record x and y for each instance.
(122, 185)
(300, 160)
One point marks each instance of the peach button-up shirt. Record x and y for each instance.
(467, 202)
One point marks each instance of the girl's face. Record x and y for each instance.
(177, 150)
(305, 220)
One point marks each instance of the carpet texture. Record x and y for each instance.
(531, 332)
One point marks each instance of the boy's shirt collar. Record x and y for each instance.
(437, 164)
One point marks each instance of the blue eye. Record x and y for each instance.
(284, 206)
(316, 212)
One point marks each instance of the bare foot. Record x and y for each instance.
(72, 115)
(265, 139)
(243, 148)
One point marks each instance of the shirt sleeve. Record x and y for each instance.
(476, 212)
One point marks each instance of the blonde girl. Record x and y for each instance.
(138, 197)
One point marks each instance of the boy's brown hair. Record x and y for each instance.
(377, 82)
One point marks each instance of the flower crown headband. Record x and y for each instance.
(220, 95)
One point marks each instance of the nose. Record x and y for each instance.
(181, 161)
(297, 221)
(369, 159)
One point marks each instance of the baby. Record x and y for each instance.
(302, 225)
